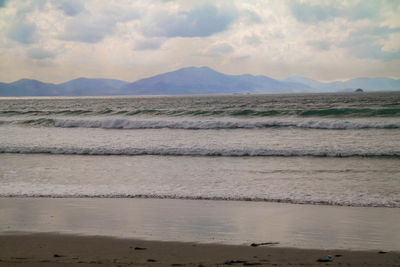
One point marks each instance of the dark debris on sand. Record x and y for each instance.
(264, 244)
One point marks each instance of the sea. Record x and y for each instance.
(321, 149)
(293, 170)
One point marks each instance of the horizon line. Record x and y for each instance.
(199, 67)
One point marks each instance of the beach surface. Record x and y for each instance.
(174, 232)
(207, 221)
(44, 249)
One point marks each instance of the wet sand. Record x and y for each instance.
(23, 249)
(206, 221)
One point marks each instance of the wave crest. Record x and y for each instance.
(245, 112)
(201, 125)
(383, 203)
(195, 152)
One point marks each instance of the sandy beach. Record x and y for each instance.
(22, 249)
(151, 232)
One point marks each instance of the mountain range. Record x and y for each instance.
(192, 80)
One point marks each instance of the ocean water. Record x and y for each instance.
(332, 149)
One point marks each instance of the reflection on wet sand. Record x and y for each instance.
(229, 222)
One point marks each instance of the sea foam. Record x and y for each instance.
(136, 151)
(112, 123)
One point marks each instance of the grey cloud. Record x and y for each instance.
(71, 7)
(365, 9)
(320, 45)
(366, 43)
(3, 3)
(313, 13)
(22, 33)
(199, 22)
(382, 32)
(220, 49)
(93, 28)
(149, 44)
(91, 31)
(368, 35)
(123, 15)
(252, 40)
(251, 17)
(374, 51)
(26, 7)
(308, 13)
(39, 53)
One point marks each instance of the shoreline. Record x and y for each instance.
(54, 249)
(187, 198)
(207, 221)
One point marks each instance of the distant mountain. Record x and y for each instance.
(309, 82)
(192, 80)
(204, 80)
(33, 88)
(367, 84)
(9, 90)
(76, 87)
(86, 86)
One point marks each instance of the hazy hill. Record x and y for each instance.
(204, 80)
(9, 90)
(367, 84)
(76, 87)
(34, 88)
(86, 86)
(192, 80)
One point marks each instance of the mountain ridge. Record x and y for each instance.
(192, 80)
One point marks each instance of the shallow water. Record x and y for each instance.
(205, 221)
(351, 181)
(337, 149)
(107, 156)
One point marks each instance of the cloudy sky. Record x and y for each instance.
(59, 40)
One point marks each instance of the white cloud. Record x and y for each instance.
(55, 40)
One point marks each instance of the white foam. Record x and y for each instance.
(312, 180)
(219, 124)
(121, 191)
(195, 152)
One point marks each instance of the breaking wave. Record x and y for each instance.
(330, 112)
(331, 202)
(200, 125)
(131, 151)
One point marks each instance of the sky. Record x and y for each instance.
(327, 40)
